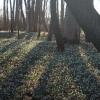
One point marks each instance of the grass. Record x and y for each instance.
(33, 70)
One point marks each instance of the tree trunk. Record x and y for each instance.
(7, 16)
(23, 20)
(17, 12)
(12, 6)
(36, 15)
(4, 13)
(62, 16)
(54, 25)
(28, 11)
(72, 29)
(50, 32)
(32, 15)
(43, 16)
(17, 16)
(88, 19)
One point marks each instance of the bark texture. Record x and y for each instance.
(88, 19)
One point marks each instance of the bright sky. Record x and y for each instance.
(1, 3)
(96, 4)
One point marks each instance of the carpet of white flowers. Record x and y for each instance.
(35, 70)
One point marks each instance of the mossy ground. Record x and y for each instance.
(31, 69)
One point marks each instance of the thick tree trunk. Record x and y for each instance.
(54, 25)
(88, 19)
(72, 29)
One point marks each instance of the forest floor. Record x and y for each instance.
(32, 69)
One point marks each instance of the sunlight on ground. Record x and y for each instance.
(35, 67)
(90, 66)
(19, 54)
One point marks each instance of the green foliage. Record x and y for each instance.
(36, 67)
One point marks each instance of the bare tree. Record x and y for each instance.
(32, 11)
(17, 15)
(5, 14)
(27, 5)
(22, 16)
(62, 16)
(34, 19)
(54, 25)
(36, 15)
(42, 17)
(12, 11)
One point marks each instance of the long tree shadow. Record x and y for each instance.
(53, 82)
(5, 48)
(5, 42)
(14, 46)
(30, 35)
(14, 50)
(15, 78)
(23, 37)
(41, 90)
(77, 67)
(4, 35)
(78, 70)
(83, 77)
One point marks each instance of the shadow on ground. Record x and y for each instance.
(58, 74)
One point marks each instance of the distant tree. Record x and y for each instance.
(39, 14)
(17, 14)
(22, 19)
(34, 9)
(62, 16)
(36, 15)
(28, 12)
(5, 15)
(41, 18)
(32, 19)
(12, 11)
(4, 12)
(32, 12)
(1, 22)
